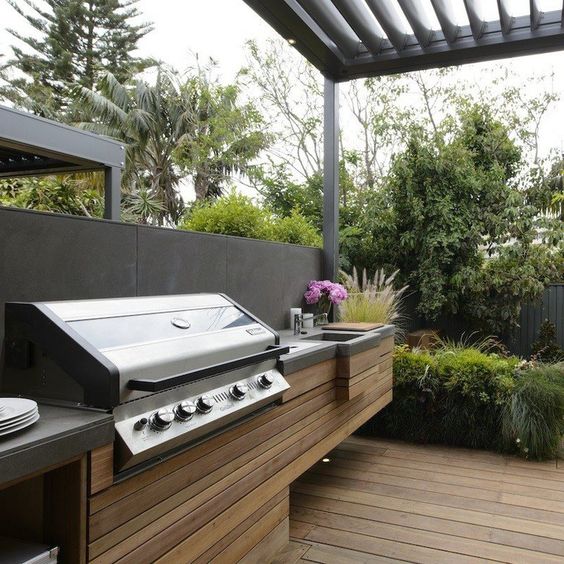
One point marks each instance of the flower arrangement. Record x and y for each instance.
(325, 293)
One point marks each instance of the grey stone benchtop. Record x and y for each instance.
(305, 352)
(60, 434)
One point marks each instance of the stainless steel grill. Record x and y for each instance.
(171, 368)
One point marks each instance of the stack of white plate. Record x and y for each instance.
(17, 414)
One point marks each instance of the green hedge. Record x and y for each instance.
(236, 214)
(469, 398)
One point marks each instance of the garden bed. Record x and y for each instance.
(468, 397)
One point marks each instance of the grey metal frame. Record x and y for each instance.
(65, 149)
(344, 38)
(331, 180)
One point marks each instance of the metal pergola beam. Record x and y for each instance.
(362, 20)
(40, 146)
(453, 44)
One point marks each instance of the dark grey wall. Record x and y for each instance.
(53, 257)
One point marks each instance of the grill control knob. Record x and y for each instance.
(265, 380)
(239, 390)
(185, 410)
(205, 404)
(141, 424)
(162, 419)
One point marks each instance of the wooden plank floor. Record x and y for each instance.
(385, 501)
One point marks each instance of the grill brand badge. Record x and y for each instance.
(180, 322)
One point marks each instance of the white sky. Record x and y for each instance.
(219, 29)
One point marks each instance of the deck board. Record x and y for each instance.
(385, 501)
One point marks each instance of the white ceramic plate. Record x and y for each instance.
(21, 426)
(19, 421)
(12, 408)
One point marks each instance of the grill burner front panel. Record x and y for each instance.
(190, 415)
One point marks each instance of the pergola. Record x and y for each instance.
(348, 39)
(31, 145)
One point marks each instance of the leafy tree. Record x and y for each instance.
(451, 200)
(226, 135)
(72, 43)
(152, 121)
(174, 129)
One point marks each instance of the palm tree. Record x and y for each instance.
(152, 121)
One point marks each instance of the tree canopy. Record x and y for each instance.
(73, 42)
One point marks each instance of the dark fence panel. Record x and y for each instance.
(551, 307)
(54, 257)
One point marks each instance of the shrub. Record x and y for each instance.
(471, 398)
(533, 419)
(295, 229)
(545, 348)
(233, 214)
(236, 214)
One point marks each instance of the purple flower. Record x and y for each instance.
(312, 296)
(318, 289)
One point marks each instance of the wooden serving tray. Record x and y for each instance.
(352, 326)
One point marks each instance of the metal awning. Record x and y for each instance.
(348, 39)
(31, 145)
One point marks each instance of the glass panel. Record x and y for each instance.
(135, 329)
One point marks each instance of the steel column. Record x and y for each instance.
(112, 193)
(331, 180)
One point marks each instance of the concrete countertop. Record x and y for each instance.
(305, 351)
(60, 434)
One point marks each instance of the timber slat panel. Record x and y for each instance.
(385, 379)
(101, 464)
(222, 544)
(242, 432)
(203, 466)
(385, 364)
(349, 507)
(272, 543)
(174, 525)
(347, 367)
(212, 484)
(220, 495)
(309, 378)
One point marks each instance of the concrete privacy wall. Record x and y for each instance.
(53, 257)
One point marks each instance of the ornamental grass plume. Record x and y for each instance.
(372, 300)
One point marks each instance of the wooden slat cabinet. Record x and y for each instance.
(226, 499)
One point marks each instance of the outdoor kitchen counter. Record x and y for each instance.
(62, 433)
(315, 351)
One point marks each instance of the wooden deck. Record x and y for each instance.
(382, 501)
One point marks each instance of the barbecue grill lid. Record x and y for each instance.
(105, 344)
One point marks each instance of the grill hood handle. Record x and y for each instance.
(146, 385)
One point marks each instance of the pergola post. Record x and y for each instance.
(112, 193)
(331, 180)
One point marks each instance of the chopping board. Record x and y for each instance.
(342, 326)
